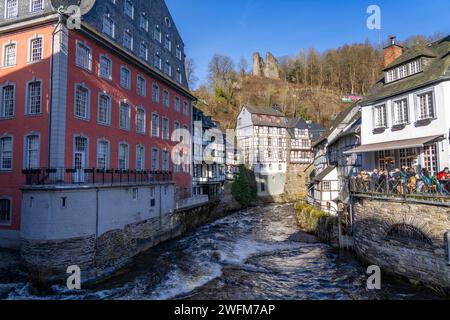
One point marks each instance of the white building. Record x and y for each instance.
(332, 165)
(302, 134)
(209, 158)
(263, 144)
(406, 115)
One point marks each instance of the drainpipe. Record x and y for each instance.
(51, 91)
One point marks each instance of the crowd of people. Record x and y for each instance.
(405, 180)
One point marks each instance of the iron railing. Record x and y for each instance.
(403, 187)
(93, 176)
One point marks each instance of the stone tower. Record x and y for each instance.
(270, 69)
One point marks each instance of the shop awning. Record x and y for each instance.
(394, 145)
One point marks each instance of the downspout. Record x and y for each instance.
(51, 91)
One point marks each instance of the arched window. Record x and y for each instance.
(403, 231)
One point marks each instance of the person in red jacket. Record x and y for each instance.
(443, 178)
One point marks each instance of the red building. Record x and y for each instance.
(78, 108)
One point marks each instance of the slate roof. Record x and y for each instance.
(264, 111)
(438, 68)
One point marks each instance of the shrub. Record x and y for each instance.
(243, 188)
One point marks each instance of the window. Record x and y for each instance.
(326, 186)
(36, 5)
(83, 56)
(32, 146)
(380, 116)
(155, 125)
(125, 114)
(384, 158)
(144, 22)
(11, 8)
(176, 130)
(81, 102)
(177, 104)
(187, 162)
(166, 98)
(6, 153)
(165, 160)
(105, 68)
(168, 69)
(155, 159)
(7, 102)
(34, 100)
(425, 106)
(157, 61)
(179, 76)
(430, 159)
(157, 34)
(109, 27)
(127, 40)
(166, 133)
(155, 93)
(123, 156)
(10, 55)
(102, 154)
(186, 108)
(167, 43)
(407, 157)
(140, 120)
(178, 53)
(135, 193)
(401, 112)
(140, 160)
(141, 86)
(143, 51)
(152, 197)
(104, 109)
(416, 66)
(36, 50)
(125, 78)
(129, 9)
(5, 211)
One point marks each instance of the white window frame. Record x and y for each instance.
(108, 109)
(30, 49)
(141, 85)
(107, 153)
(111, 34)
(130, 45)
(15, 10)
(144, 23)
(128, 84)
(2, 153)
(127, 156)
(155, 129)
(156, 92)
(165, 128)
(375, 117)
(125, 126)
(78, 62)
(142, 111)
(108, 76)
(5, 56)
(142, 148)
(143, 55)
(34, 10)
(125, 8)
(88, 102)
(157, 166)
(417, 96)
(2, 102)
(28, 97)
(395, 111)
(166, 98)
(26, 154)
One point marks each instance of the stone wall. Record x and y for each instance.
(99, 257)
(296, 180)
(414, 259)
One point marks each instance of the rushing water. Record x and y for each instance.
(249, 255)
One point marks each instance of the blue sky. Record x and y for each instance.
(240, 27)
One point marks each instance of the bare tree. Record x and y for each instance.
(190, 72)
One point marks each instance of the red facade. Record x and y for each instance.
(20, 125)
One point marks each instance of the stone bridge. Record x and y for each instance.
(405, 238)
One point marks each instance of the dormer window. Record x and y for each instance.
(404, 71)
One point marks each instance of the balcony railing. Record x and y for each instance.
(406, 188)
(94, 176)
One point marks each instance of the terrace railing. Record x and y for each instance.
(405, 188)
(93, 176)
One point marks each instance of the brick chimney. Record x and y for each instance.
(392, 52)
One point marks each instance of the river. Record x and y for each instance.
(249, 255)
